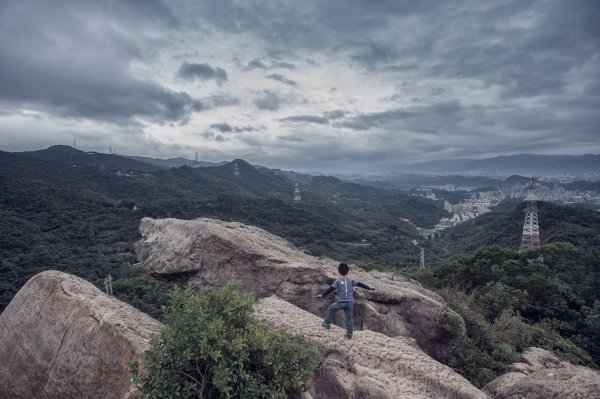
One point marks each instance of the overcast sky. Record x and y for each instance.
(331, 85)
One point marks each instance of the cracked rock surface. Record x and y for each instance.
(209, 252)
(541, 375)
(370, 365)
(61, 337)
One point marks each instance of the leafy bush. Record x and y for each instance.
(212, 346)
(481, 355)
(512, 329)
(451, 322)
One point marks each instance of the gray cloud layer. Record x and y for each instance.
(412, 79)
(280, 78)
(46, 67)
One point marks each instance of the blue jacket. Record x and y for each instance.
(343, 287)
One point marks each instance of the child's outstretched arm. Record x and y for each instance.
(327, 292)
(361, 285)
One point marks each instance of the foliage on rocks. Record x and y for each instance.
(212, 346)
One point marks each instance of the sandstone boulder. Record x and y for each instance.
(208, 252)
(370, 365)
(61, 337)
(542, 375)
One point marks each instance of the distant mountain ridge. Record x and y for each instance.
(524, 164)
(175, 162)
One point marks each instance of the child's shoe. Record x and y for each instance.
(325, 325)
(349, 336)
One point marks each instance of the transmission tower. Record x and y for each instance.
(108, 285)
(297, 193)
(196, 158)
(422, 265)
(531, 229)
(236, 171)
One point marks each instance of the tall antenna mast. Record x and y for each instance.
(531, 229)
(297, 193)
(108, 285)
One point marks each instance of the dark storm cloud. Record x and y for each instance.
(320, 120)
(326, 118)
(527, 49)
(459, 78)
(54, 60)
(258, 64)
(526, 61)
(227, 128)
(192, 71)
(282, 79)
(289, 25)
(283, 64)
(255, 64)
(433, 118)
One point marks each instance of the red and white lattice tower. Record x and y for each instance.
(531, 229)
(297, 193)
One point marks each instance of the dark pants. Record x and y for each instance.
(334, 307)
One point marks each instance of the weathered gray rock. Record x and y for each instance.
(541, 375)
(370, 365)
(61, 337)
(208, 252)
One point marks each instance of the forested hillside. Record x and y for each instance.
(513, 300)
(78, 212)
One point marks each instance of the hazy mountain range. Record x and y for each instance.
(174, 162)
(523, 164)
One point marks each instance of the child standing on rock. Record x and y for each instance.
(345, 298)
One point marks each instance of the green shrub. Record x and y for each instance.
(451, 322)
(212, 346)
(514, 330)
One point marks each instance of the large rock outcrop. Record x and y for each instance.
(541, 375)
(61, 337)
(208, 252)
(371, 365)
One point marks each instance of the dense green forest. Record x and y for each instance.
(512, 300)
(79, 212)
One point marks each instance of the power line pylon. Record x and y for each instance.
(297, 193)
(108, 285)
(236, 171)
(531, 229)
(422, 264)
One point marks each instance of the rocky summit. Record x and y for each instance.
(371, 365)
(61, 337)
(209, 252)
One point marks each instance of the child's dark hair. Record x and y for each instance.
(343, 268)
